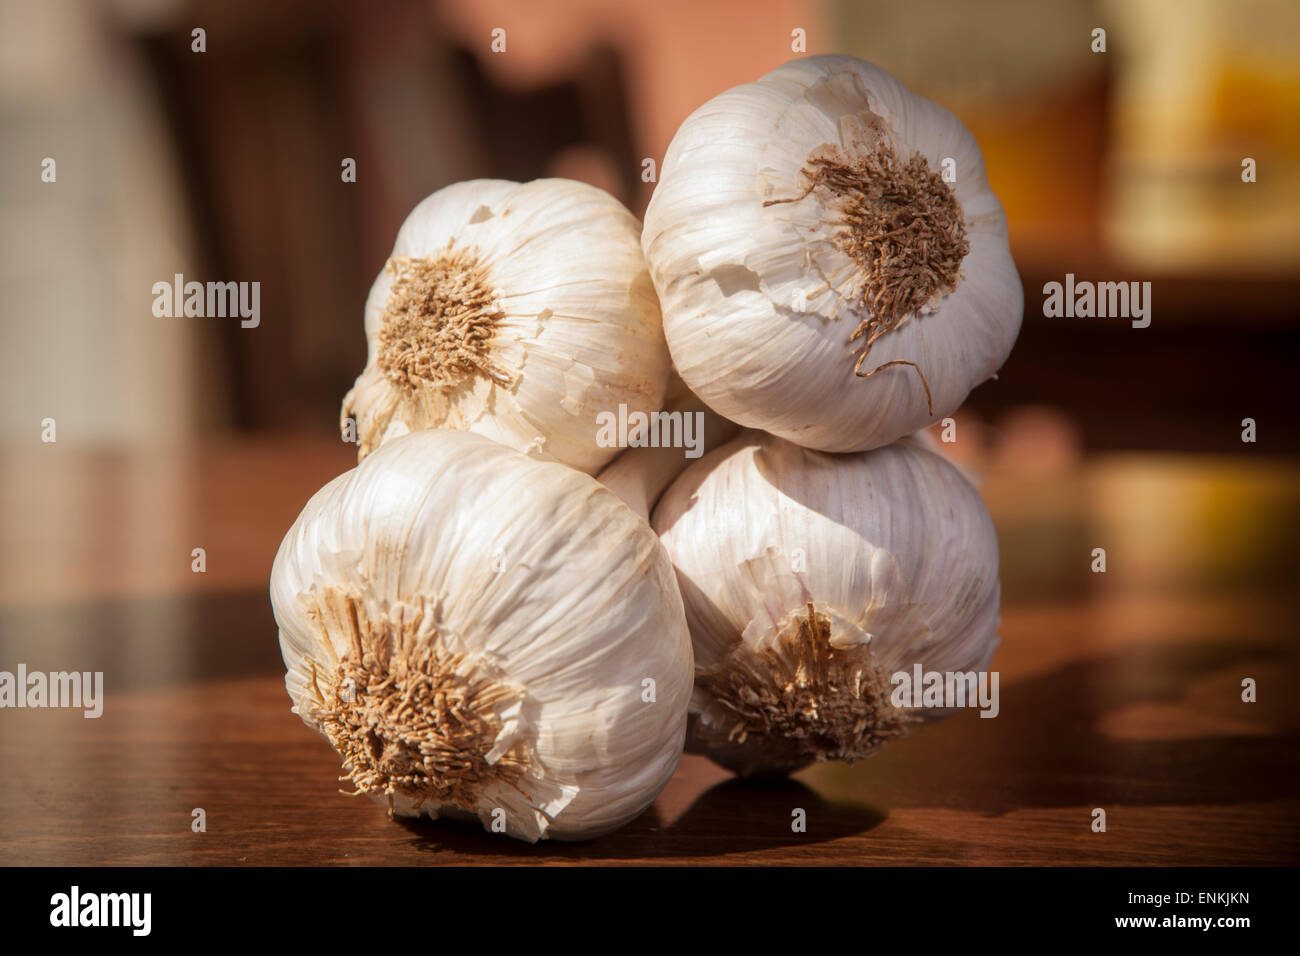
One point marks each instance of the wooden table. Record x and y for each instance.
(1119, 690)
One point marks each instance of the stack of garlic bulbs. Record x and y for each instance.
(834, 270)
(478, 627)
(481, 629)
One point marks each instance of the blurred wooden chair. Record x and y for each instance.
(260, 124)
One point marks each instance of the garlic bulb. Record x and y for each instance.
(481, 633)
(809, 580)
(516, 311)
(832, 265)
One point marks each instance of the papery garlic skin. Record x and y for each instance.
(516, 311)
(760, 292)
(893, 550)
(530, 601)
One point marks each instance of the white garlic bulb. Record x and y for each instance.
(823, 276)
(809, 580)
(516, 311)
(481, 633)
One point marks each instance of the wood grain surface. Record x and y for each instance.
(1120, 691)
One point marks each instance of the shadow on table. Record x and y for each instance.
(1051, 746)
(1046, 749)
(1054, 743)
(732, 817)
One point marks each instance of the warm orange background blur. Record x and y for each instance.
(176, 434)
(226, 164)
(1119, 165)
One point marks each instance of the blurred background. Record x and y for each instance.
(226, 164)
(175, 434)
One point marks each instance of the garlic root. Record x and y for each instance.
(809, 580)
